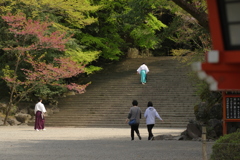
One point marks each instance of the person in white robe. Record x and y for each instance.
(143, 71)
(39, 115)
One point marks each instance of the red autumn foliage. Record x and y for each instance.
(34, 35)
(21, 26)
(43, 73)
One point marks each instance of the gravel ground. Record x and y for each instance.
(23, 143)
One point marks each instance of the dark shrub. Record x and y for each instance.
(227, 147)
(205, 111)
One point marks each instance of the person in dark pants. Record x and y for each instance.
(150, 114)
(134, 113)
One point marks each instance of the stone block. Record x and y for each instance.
(23, 118)
(193, 131)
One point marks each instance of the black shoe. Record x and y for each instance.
(139, 137)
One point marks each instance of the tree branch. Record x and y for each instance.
(197, 13)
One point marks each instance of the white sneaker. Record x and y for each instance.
(44, 129)
(36, 129)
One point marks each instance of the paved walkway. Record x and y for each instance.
(23, 143)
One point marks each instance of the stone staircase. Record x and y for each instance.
(107, 100)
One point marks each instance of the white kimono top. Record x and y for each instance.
(39, 107)
(143, 67)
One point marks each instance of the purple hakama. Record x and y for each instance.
(39, 121)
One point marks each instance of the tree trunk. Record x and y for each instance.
(9, 107)
(198, 14)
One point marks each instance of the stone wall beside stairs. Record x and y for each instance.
(107, 100)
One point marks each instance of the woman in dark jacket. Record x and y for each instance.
(134, 113)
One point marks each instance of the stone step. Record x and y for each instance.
(126, 108)
(117, 121)
(77, 111)
(101, 111)
(109, 125)
(151, 96)
(107, 100)
(103, 116)
(143, 102)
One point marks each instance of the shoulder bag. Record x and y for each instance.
(133, 121)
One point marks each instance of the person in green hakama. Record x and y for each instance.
(143, 71)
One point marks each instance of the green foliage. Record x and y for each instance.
(105, 29)
(209, 108)
(186, 32)
(187, 57)
(206, 95)
(73, 12)
(227, 147)
(144, 35)
(183, 31)
(67, 16)
(13, 110)
(84, 57)
(91, 69)
(109, 46)
(154, 23)
(107, 34)
(49, 92)
(191, 41)
(8, 72)
(205, 111)
(142, 24)
(30, 36)
(139, 10)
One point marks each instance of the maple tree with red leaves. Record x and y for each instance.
(40, 73)
(21, 26)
